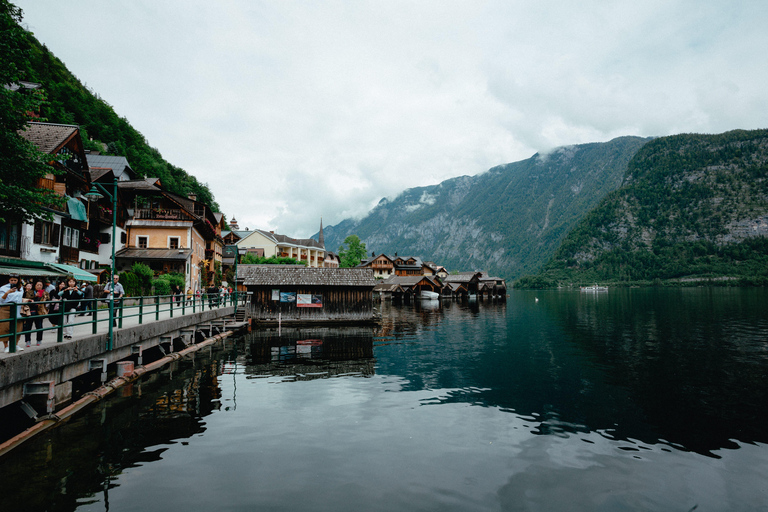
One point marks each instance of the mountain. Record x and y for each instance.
(508, 220)
(68, 101)
(691, 208)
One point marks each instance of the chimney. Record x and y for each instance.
(192, 197)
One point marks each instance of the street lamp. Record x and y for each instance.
(94, 195)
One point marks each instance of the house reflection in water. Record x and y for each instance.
(312, 353)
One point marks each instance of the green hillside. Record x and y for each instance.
(508, 220)
(68, 101)
(692, 208)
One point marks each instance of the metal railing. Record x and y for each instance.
(146, 308)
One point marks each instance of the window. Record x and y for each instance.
(142, 242)
(9, 238)
(71, 237)
(46, 233)
(173, 242)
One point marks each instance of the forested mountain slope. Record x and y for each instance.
(508, 220)
(691, 207)
(70, 102)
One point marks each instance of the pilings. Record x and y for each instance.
(61, 362)
(53, 420)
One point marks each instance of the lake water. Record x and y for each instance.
(642, 399)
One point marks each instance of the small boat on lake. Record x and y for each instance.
(594, 288)
(427, 295)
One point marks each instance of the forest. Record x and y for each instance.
(691, 208)
(67, 100)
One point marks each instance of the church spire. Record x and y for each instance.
(320, 238)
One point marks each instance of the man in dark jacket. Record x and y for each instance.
(88, 304)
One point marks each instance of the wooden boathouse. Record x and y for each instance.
(298, 294)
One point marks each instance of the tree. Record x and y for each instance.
(354, 253)
(21, 163)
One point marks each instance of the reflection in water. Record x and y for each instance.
(630, 400)
(311, 353)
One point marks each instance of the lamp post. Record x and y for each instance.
(94, 195)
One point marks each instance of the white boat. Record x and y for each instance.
(594, 288)
(426, 294)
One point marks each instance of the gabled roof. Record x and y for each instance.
(146, 184)
(48, 137)
(410, 281)
(462, 278)
(290, 275)
(99, 172)
(387, 287)
(119, 165)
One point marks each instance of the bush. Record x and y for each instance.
(161, 286)
(131, 284)
(144, 277)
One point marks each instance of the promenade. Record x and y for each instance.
(133, 315)
(143, 326)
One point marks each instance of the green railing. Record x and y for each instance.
(146, 309)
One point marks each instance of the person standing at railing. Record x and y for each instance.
(36, 295)
(10, 293)
(115, 292)
(70, 302)
(88, 304)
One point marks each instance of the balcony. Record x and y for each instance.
(46, 183)
(160, 214)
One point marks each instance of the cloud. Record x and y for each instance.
(295, 110)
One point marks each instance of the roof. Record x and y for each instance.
(387, 287)
(119, 164)
(282, 239)
(99, 172)
(410, 280)
(49, 137)
(154, 254)
(150, 184)
(460, 278)
(289, 275)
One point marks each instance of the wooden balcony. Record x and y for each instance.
(160, 214)
(46, 183)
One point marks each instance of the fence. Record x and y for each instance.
(143, 308)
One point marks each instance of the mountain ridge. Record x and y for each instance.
(692, 207)
(507, 220)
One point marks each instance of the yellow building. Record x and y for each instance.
(268, 243)
(170, 233)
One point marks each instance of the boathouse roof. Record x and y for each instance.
(285, 275)
(466, 277)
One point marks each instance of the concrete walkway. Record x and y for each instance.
(86, 330)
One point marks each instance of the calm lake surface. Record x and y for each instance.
(642, 399)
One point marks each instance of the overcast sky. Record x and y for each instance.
(290, 111)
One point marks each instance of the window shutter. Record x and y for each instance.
(37, 237)
(55, 235)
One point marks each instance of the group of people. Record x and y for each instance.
(34, 298)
